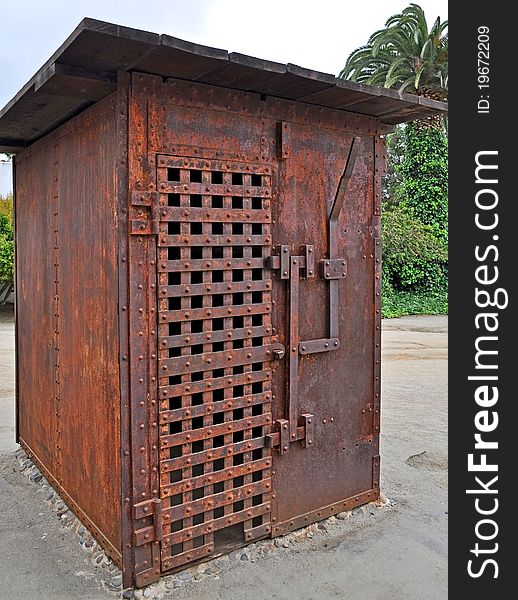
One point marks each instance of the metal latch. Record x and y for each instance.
(333, 269)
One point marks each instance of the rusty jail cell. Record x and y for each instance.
(198, 270)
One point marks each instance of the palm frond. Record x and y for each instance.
(405, 54)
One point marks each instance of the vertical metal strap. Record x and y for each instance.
(294, 347)
(142, 336)
(377, 337)
(284, 140)
(122, 192)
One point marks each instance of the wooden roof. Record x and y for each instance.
(83, 70)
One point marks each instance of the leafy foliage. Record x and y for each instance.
(413, 257)
(424, 174)
(415, 223)
(405, 55)
(393, 181)
(410, 57)
(6, 239)
(398, 304)
(6, 207)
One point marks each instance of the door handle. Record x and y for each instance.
(278, 353)
(333, 269)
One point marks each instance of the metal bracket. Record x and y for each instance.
(147, 220)
(284, 434)
(283, 438)
(290, 268)
(310, 261)
(308, 430)
(323, 345)
(333, 268)
(285, 261)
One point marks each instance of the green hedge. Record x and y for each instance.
(424, 173)
(413, 257)
(415, 223)
(6, 239)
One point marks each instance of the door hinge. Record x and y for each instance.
(147, 521)
(283, 140)
(146, 532)
(144, 211)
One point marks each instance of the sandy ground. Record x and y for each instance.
(398, 552)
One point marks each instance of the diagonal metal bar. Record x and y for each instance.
(340, 197)
(333, 234)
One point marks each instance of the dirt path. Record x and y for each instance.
(397, 552)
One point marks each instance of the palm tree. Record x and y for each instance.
(405, 55)
(409, 57)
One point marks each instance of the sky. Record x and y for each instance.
(317, 35)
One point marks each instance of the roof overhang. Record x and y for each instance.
(84, 70)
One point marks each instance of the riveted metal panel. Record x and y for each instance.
(67, 316)
(334, 374)
(35, 278)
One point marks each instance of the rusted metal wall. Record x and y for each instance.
(35, 306)
(336, 387)
(196, 152)
(68, 395)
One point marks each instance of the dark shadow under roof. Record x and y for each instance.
(83, 70)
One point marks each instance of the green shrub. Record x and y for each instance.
(424, 175)
(6, 259)
(398, 304)
(415, 222)
(6, 239)
(413, 257)
(6, 207)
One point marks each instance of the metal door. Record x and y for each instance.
(215, 354)
(326, 292)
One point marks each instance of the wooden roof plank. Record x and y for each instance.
(63, 80)
(83, 69)
(178, 58)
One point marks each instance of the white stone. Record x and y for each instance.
(343, 516)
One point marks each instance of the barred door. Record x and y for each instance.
(215, 350)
